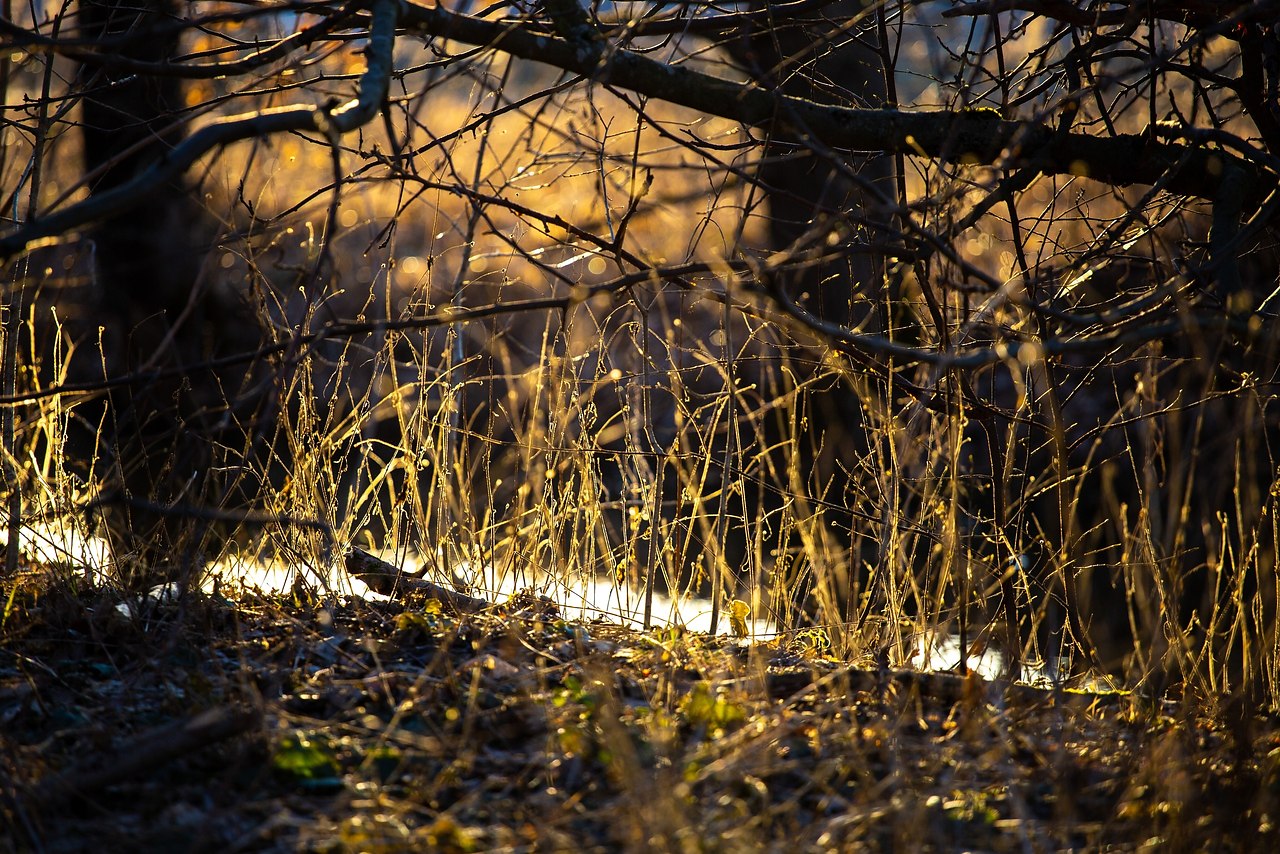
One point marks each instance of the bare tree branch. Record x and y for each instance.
(373, 91)
(100, 55)
(976, 136)
(979, 136)
(1195, 12)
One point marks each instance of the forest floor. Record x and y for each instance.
(333, 724)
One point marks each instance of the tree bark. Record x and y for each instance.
(146, 265)
(145, 259)
(825, 59)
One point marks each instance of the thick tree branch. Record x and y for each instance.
(976, 136)
(979, 136)
(1192, 12)
(99, 56)
(22, 37)
(148, 751)
(373, 91)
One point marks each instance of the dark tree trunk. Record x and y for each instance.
(146, 265)
(820, 57)
(813, 194)
(146, 259)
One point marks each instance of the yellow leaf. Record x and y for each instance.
(738, 611)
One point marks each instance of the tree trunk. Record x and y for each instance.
(146, 261)
(811, 195)
(146, 264)
(821, 57)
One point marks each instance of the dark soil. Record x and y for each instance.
(345, 725)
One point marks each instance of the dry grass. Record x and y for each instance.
(345, 725)
(673, 430)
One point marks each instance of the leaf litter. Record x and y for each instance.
(336, 724)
